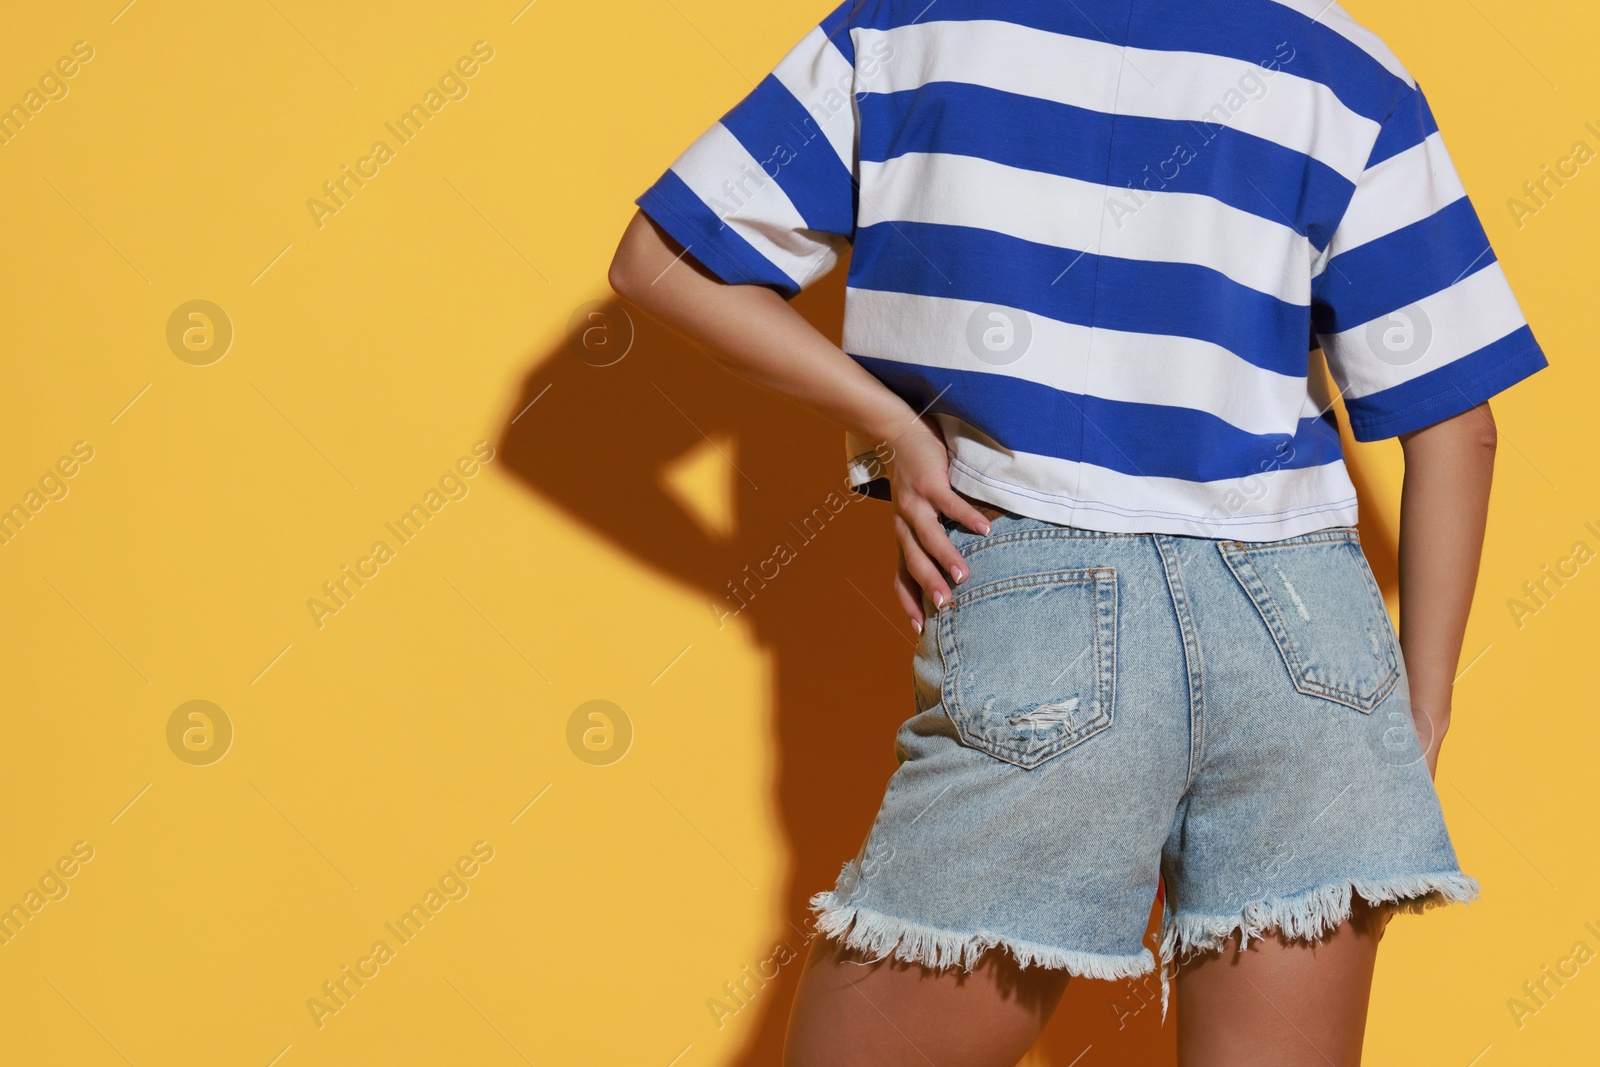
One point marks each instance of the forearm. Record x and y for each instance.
(1443, 511)
(755, 333)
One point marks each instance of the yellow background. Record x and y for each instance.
(432, 711)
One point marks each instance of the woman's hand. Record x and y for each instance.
(919, 480)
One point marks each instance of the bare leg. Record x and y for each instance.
(1281, 1003)
(849, 1012)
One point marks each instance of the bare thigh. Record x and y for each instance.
(1281, 1003)
(888, 1013)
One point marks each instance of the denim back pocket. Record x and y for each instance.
(1030, 662)
(1319, 600)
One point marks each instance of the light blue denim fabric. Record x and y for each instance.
(1095, 709)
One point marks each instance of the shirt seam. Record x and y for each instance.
(1099, 243)
(1355, 186)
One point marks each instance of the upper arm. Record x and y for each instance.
(767, 195)
(1473, 428)
(644, 251)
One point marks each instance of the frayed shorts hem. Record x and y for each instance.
(883, 935)
(1306, 916)
(1312, 914)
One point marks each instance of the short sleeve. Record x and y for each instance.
(767, 195)
(1411, 307)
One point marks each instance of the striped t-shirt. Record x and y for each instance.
(1101, 243)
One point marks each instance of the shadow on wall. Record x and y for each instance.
(841, 647)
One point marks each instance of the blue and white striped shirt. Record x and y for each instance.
(1101, 243)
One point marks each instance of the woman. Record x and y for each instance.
(1092, 244)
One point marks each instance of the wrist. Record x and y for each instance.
(885, 418)
(1433, 705)
(913, 440)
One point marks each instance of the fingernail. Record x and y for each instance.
(960, 574)
(985, 528)
(917, 625)
(938, 600)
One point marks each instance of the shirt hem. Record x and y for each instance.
(703, 244)
(1447, 403)
(1071, 511)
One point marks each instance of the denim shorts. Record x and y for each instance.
(1096, 710)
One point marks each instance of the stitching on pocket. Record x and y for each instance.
(1242, 559)
(1009, 725)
